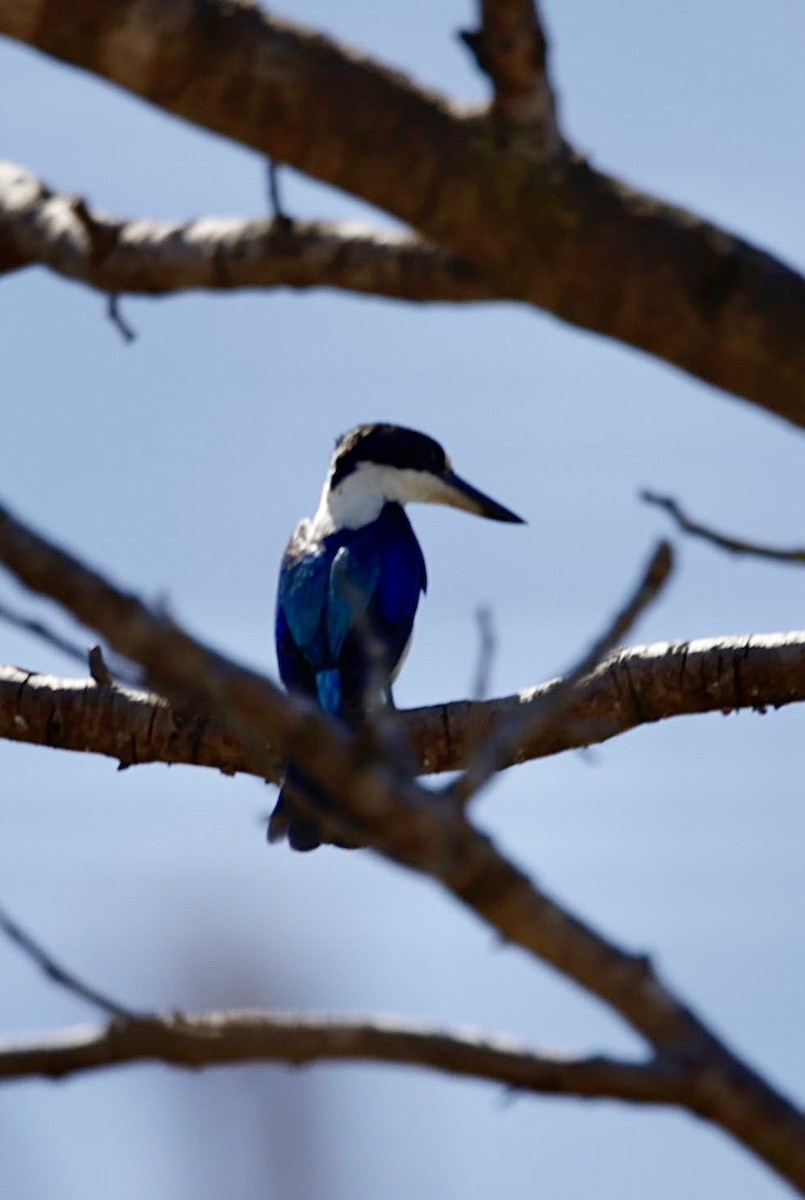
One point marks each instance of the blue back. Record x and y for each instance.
(353, 587)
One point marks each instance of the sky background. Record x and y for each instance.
(180, 463)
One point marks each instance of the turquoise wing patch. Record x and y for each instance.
(353, 579)
(328, 690)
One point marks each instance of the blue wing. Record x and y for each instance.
(301, 602)
(302, 596)
(332, 596)
(354, 576)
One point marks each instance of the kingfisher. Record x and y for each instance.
(350, 583)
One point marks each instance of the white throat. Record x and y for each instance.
(358, 499)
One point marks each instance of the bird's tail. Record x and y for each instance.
(290, 819)
(286, 821)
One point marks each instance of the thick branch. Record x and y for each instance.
(568, 239)
(216, 1039)
(634, 687)
(57, 230)
(128, 724)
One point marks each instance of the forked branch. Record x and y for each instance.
(215, 1039)
(427, 834)
(565, 237)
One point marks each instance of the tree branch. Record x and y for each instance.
(524, 725)
(128, 724)
(59, 231)
(722, 540)
(568, 239)
(217, 1039)
(727, 312)
(633, 687)
(511, 48)
(427, 834)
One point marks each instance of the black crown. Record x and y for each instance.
(387, 446)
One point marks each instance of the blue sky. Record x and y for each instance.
(179, 465)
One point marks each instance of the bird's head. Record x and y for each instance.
(373, 464)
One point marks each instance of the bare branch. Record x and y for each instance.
(40, 226)
(723, 541)
(504, 742)
(415, 829)
(634, 687)
(55, 971)
(217, 1039)
(511, 48)
(127, 724)
(729, 313)
(572, 240)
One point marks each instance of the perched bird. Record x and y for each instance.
(350, 581)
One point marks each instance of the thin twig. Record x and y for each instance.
(125, 672)
(98, 668)
(274, 197)
(648, 589)
(499, 747)
(724, 541)
(487, 646)
(42, 631)
(55, 971)
(115, 315)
